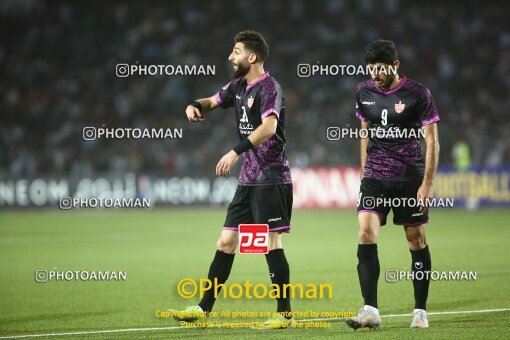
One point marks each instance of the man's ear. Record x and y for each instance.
(252, 59)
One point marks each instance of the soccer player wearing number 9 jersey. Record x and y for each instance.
(392, 167)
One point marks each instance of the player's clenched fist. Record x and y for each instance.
(194, 114)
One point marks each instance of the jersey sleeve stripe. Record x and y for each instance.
(218, 98)
(360, 116)
(430, 120)
(269, 112)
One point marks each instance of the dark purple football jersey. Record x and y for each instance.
(406, 107)
(267, 163)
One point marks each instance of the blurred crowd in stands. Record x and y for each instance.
(58, 58)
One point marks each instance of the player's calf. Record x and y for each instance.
(415, 236)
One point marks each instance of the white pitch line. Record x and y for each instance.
(91, 332)
(455, 312)
(179, 327)
(431, 313)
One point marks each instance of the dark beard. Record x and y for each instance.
(241, 71)
(388, 82)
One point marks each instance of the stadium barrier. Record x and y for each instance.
(318, 187)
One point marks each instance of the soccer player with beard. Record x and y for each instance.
(394, 168)
(264, 193)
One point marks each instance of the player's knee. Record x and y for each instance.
(367, 235)
(275, 241)
(369, 225)
(227, 245)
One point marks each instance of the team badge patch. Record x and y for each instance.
(249, 102)
(400, 107)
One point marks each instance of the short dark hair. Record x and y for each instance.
(381, 51)
(255, 42)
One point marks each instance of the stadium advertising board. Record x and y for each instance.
(320, 187)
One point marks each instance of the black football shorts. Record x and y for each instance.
(379, 197)
(263, 204)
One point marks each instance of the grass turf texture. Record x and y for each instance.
(157, 248)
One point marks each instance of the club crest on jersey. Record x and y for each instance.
(249, 102)
(399, 108)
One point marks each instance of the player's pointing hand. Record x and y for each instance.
(194, 114)
(226, 163)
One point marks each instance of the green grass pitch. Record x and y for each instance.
(157, 248)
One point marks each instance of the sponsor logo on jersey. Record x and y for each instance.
(238, 97)
(249, 102)
(245, 129)
(399, 108)
(368, 103)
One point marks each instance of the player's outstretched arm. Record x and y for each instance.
(261, 134)
(363, 149)
(196, 111)
(431, 160)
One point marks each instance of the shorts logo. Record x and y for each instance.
(253, 239)
(249, 102)
(399, 108)
(274, 219)
(417, 214)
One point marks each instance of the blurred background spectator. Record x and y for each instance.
(57, 66)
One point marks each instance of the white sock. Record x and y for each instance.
(419, 310)
(371, 309)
